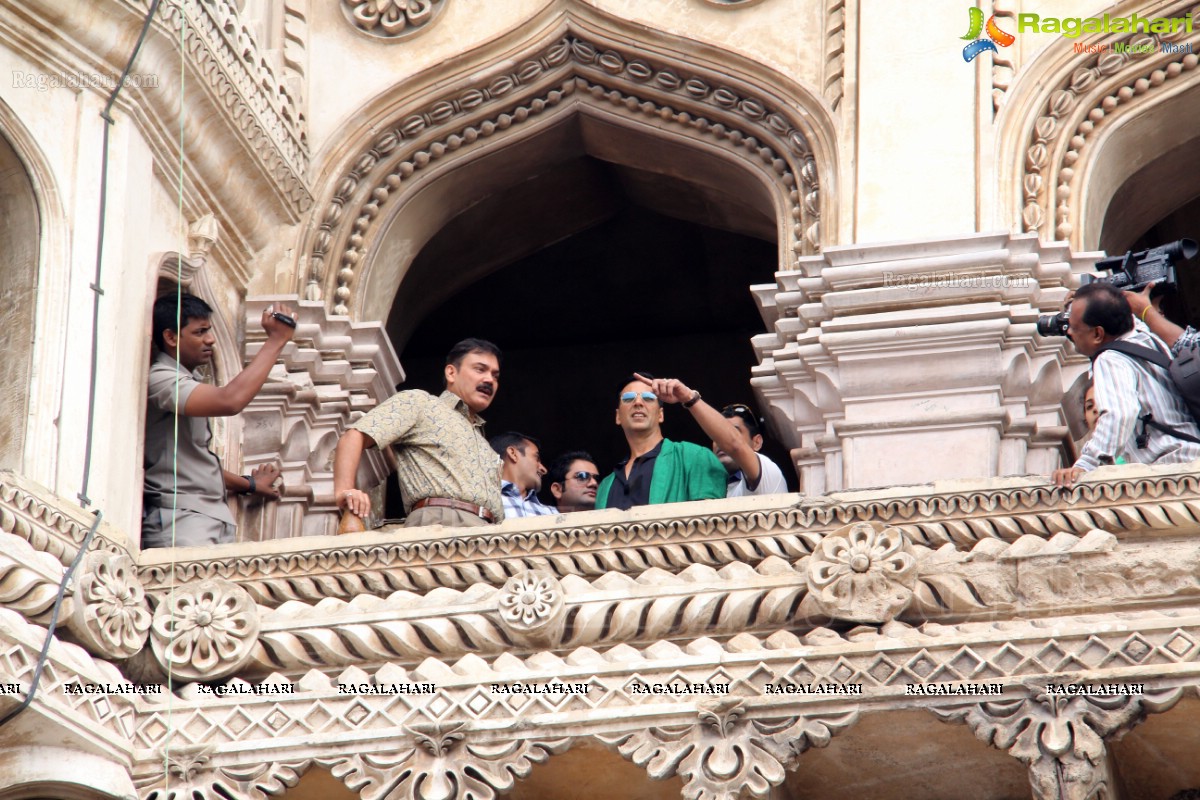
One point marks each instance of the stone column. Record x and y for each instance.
(332, 372)
(917, 361)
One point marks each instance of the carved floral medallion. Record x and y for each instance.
(205, 631)
(392, 19)
(863, 574)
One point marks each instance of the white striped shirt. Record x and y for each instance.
(1128, 388)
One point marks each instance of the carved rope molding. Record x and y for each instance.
(1089, 94)
(260, 104)
(1061, 737)
(1166, 502)
(742, 123)
(835, 52)
(536, 611)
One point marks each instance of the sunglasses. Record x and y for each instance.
(629, 397)
(584, 477)
(737, 408)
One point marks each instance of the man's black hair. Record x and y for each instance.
(501, 442)
(743, 412)
(633, 378)
(558, 468)
(467, 346)
(1106, 308)
(172, 312)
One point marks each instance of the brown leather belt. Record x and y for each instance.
(446, 502)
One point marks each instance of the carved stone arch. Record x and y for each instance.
(755, 124)
(33, 238)
(1061, 130)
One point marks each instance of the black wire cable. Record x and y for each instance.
(84, 501)
(41, 662)
(95, 287)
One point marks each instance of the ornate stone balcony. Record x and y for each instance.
(736, 648)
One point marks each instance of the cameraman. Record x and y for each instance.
(1126, 388)
(1148, 312)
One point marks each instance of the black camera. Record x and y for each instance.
(1134, 271)
(1053, 324)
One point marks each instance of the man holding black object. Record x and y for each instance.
(185, 485)
(1128, 389)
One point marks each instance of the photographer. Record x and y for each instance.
(1127, 389)
(1148, 312)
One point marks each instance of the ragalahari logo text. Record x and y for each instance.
(995, 36)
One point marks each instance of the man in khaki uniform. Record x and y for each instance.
(448, 473)
(183, 501)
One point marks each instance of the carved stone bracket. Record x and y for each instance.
(392, 19)
(1061, 737)
(110, 615)
(204, 630)
(442, 765)
(862, 573)
(191, 775)
(723, 756)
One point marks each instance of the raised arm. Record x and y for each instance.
(726, 437)
(233, 397)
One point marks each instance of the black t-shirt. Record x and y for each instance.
(633, 491)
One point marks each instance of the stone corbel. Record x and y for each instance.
(190, 774)
(725, 757)
(1061, 737)
(442, 762)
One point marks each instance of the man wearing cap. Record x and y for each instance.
(736, 434)
(448, 473)
(658, 470)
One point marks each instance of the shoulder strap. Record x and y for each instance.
(1137, 351)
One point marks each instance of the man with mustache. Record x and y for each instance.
(183, 501)
(448, 473)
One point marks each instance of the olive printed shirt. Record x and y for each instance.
(440, 449)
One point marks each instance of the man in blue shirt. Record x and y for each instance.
(521, 474)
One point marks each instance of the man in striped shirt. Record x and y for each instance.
(1127, 388)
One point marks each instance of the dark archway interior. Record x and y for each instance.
(636, 283)
(1160, 202)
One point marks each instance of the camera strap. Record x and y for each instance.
(1158, 358)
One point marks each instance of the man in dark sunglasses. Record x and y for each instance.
(657, 470)
(736, 433)
(573, 479)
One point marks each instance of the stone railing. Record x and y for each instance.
(713, 643)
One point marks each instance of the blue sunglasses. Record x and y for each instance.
(629, 397)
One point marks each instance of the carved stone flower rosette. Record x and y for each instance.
(392, 19)
(109, 613)
(862, 573)
(531, 604)
(205, 631)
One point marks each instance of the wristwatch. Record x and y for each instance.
(252, 488)
(695, 399)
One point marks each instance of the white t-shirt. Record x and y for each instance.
(770, 480)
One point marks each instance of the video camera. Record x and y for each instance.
(1132, 272)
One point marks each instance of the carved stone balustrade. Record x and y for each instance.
(982, 393)
(332, 372)
(714, 643)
